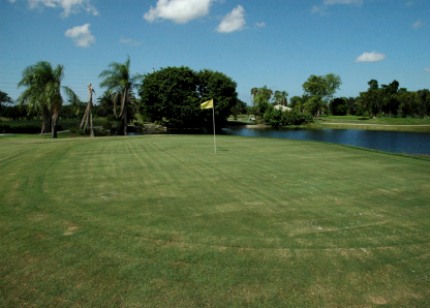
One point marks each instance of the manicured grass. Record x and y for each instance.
(383, 123)
(161, 221)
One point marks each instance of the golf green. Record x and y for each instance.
(163, 221)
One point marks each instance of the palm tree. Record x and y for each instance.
(4, 98)
(43, 93)
(280, 98)
(120, 83)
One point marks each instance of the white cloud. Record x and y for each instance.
(322, 8)
(69, 6)
(261, 24)
(233, 21)
(81, 35)
(318, 9)
(418, 24)
(129, 41)
(178, 11)
(343, 2)
(370, 57)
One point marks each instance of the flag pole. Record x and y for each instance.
(207, 105)
(213, 120)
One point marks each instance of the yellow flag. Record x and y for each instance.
(207, 105)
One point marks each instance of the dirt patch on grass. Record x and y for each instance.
(378, 300)
(70, 229)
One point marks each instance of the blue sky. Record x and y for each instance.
(277, 43)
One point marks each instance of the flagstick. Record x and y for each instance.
(213, 119)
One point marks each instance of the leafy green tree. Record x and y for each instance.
(120, 83)
(314, 105)
(174, 95)
(338, 106)
(261, 99)
(280, 98)
(408, 105)
(386, 100)
(13, 112)
(424, 101)
(390, 102)
(297, 103)
(279, 118)
(323, 87)
(351, 105)
(222, 89)
(373, 84)
(239, 108)
(371, 100)
(171, 95)
(320, 89)
(43, 93)
(4, 98)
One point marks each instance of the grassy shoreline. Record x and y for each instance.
(161, 221)
(392, 124)
(357, 122)
(338, 122)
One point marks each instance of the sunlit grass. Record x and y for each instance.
(381, 123)
(163, 221)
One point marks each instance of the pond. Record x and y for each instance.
(389, 141)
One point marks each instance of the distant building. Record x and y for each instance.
(283, 108)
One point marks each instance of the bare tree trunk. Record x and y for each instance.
(46, 121)
(124, 104)
(91, 90)
(88, 115)
(125, 120)
(91, 125)
(54, 127)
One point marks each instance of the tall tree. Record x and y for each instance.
(320, 89)
(322, 86)
(43, 92)
(280, 98)
(119, 82)
(171, 94)
(390, 102)
(222, 89)
(261, 99)
(381, 100)
(174, 95)
(88, 115)
(4, 98)
(424, 101)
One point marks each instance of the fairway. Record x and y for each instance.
(162, 221)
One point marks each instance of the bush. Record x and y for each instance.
(20, 129)
(278, 118)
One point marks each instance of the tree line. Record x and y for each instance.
(172, 96)
(387, 100)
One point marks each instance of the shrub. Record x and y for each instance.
(278, 118)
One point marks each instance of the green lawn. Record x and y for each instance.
(161, 221)
(383, 123)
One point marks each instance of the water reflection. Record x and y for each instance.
(390, 141)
